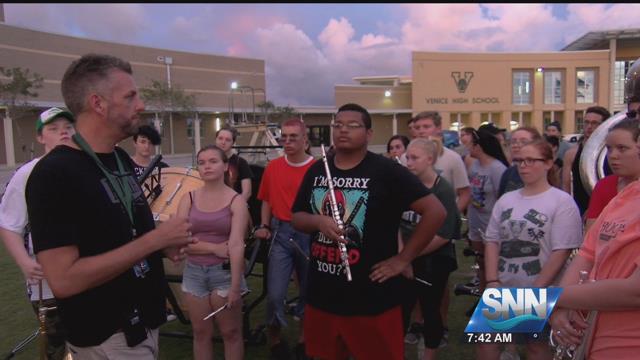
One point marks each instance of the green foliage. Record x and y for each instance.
(15, 93)
(277, 113)
(159, 96)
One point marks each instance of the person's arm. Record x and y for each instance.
(551, 267)
(31, 270)
(491, 255)
(432, 216)
(310, 223)
(14, 220)
(434, 245)
(460, 182)
(199, 248)
(265, 219)
(245, 184)
(598, 295)
(567, 162)
(69, 274)
(464, 198)
(239, 223)
(492, 245)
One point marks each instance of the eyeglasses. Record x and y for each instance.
(291, 138)
(350, 126)
(526, 161)
(519, 142)
(592, 123)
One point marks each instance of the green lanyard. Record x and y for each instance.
(118, 182)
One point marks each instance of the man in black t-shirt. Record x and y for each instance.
(361, 317)
(92, 229)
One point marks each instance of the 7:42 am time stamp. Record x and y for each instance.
(488, 338)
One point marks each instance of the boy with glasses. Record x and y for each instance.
(362, 317)
(289, 248)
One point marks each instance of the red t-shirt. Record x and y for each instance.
(280, 183)
(605, 190)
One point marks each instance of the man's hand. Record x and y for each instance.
(387, 269)
(263, 234)
(32, 271)
(330, 229)
(175, 232)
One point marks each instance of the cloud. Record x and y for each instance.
(302, 69)
(110, 22)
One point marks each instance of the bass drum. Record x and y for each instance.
(163, 190)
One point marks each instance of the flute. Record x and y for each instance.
(336, 215)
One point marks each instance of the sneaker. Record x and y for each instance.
(280, 351)
(300, 353)
(411, 338)
(443, 342)
(170, 315)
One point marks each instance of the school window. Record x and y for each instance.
(552, 87)
(319, 134)
(621, 68)
(190, 128)
(522, 88)
(585, 86)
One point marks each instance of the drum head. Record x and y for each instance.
(174, 182)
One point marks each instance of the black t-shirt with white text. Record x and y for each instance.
(71, 203)
(139, 169)
(371, 198)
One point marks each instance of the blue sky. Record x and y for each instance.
(308, 48)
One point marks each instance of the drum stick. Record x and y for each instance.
(216, 311)
(244, 293)
(424, 282)
(297, 247)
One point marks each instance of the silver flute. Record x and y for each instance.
(571, 352)
(336, 215)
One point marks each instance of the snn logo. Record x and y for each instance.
(523, 306)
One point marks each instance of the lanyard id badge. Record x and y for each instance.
(123, 192)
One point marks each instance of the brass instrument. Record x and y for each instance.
(42, 316)
(594, 151)
(336, 215)
(572, 352)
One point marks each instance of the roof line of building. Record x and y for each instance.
(128, 44)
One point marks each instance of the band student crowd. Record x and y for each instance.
(370, 238)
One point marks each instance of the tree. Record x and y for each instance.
(167, 100)
(279, 113)
(266, 107)
(15, 94)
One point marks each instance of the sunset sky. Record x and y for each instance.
(308, 48)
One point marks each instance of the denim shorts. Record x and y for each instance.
(201, 280)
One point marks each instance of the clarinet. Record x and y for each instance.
(336, 215)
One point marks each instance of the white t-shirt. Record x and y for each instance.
(528, 229)
(451, 167)
(14, 217)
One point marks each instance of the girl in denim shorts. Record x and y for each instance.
(219, 219)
